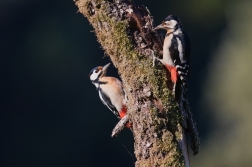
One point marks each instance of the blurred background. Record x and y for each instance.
(51, 114)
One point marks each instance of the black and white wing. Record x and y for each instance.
(182, 62)
(107, 102)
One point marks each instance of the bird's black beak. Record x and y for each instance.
(104, 69)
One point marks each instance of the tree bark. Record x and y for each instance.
(125, 32)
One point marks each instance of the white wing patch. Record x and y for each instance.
(180, 49)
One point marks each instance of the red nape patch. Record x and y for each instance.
(123, 112)
(174, 74)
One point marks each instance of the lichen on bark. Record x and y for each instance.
(124, 31)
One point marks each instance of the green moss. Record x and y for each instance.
(122, 51)
(125, 48)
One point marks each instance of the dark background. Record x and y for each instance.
(51, 114)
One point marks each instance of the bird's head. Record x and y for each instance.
(98, 72)
(170, 23)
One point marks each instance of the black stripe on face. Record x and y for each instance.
(92, 71)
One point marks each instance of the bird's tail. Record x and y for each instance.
(188, 121)
(177, 90)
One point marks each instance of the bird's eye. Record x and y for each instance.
(96, 71)
(167, 23)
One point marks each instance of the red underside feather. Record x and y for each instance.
(122, 113)
(173, 71)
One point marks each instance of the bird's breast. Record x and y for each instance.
(115, 92)
(166, 50)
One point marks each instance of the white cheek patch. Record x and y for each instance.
(171, 23)
(94, 76)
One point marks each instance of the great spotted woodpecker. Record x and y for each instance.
(110, 90)
(176, 52)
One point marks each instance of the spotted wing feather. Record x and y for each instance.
(182, 58)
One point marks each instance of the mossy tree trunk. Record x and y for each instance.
(125, 32)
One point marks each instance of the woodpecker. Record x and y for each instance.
(110, 90)
(176, 52)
